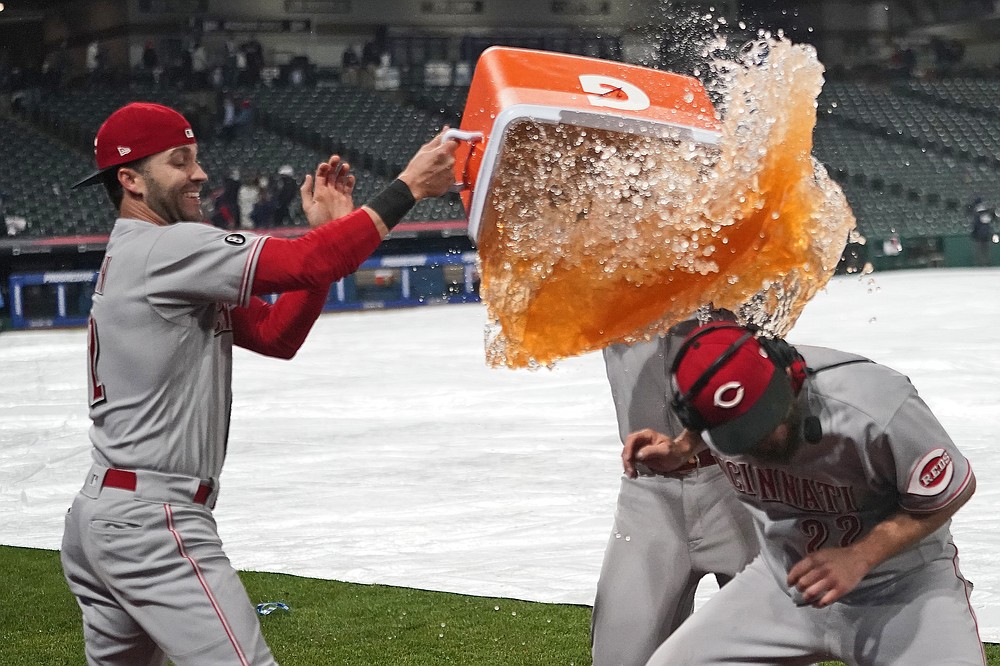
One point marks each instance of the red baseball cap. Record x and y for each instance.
(726, 384)
(137, 130)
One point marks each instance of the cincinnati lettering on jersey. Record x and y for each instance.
(775, 485)
(223, 319)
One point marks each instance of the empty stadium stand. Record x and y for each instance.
(296, 128)
(39, 170)
(910, 155)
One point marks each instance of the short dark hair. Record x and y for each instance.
(110, 180)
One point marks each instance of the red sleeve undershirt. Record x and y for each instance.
(302, 270)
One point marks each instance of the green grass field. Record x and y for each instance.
(329, 622)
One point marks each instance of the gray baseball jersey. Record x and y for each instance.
(161, 345)
(670, 530)
(881, 450)
(141, 547)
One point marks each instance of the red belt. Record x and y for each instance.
(126, 480)
(703, 459)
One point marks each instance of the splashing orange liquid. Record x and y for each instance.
(593, 237)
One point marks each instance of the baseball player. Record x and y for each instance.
(670, 529)
(851, 483)
(140, 549)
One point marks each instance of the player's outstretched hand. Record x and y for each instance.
(328, 195)
(657, 451)
(827, 574)
(429, 172)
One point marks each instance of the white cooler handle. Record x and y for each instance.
(461, 135)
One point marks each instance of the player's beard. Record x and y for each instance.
(792, 441)
(173, 205)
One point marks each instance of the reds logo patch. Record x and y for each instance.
(932, 473)
(728, 395)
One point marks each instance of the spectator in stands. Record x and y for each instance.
(184, 74)
(151, 62)
(298, 72)
(948, 54)
(199, 66)
(254, 54)
(262, 213)
(982, 232)
(227, 120)
(94, 61)
(285, 191)
(55, 66)
(226, 205)
(229, 62)
(217, 77)
(371, 57)
(903, 61)
(241, 68)
(201, 117)
(350, 64)
(243, 120)
(248, 194)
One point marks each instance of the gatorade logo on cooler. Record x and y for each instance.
(932, 473)
(613, 93)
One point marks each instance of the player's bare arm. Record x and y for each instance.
(828, 574)
(428, 174)
(659, 452)
(329, 194)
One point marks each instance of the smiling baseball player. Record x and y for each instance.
(141, 551)
(851, 483)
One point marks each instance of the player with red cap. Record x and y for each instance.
(136, 131)
(851, 482)
(141, 551)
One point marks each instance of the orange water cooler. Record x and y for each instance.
(555, 147)
(608, 201)
(512, 85)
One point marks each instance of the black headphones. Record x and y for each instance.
(780, 353)
(689, 417)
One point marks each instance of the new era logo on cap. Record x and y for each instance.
(135, 131)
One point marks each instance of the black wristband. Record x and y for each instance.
(393, 203)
